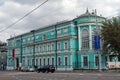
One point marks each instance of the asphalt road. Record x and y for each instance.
(10, 75)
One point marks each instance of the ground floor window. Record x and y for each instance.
(44, 62)
(66, 61)
(85, 60)
(40, 62)
(28, 62)
(36, 62)
(59, 61)
(52, 61)
(48, 61)
(96, 60)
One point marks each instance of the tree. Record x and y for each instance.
(111, 35)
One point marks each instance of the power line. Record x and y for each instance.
(24, 16)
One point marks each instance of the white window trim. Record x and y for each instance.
(64, 45)
(95, 61)
(83, 62)
(67, 61)
(58, 60)
(51, 60)
(58, 46)
(53, 47)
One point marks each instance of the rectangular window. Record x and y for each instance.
(48, 61)
(44, 48)
(85, 61)
(66, 61)
(52, 61)
(48, 47)
(44, 62)
(59, 31)
(66, 45)
(58, 46)
(36, 62)
(40, 62)
(40, 48)
(96, 60)
(59, 61)
(28, 62)
(32, 61)
(65, 30)
(52, 47)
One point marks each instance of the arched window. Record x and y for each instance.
(85, 39)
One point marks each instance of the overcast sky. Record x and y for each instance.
(51, 12)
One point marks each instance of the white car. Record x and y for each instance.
(31, 69)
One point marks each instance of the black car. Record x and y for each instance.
(48, 68)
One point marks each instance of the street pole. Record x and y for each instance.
(97, 36)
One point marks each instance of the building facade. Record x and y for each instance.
(3, 56)
(67, 45)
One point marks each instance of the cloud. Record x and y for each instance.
(51, 12)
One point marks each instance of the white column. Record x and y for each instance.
(79, 45)
(90, 37)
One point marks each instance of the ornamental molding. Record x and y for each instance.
(83, 24)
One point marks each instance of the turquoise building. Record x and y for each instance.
(67, 45)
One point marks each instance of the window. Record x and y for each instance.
(23, 64)
(44, 61)
(40, 62)
(32, 61)
(65, 30)
(37, 36)
(66, 61)
(36, 48)
(40, 48)
(85, 39)
(52, 33)
(59, 31)
(44, 48)
(48, 61)
(85, 61)
(44, 37)
(65, 46)
(28, 62)
(52, 47)
(96, 60)
(36, 62)
(52, 61)
(59, 61)
(48, 47)
(58, 46)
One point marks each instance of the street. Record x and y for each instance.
(10, 75)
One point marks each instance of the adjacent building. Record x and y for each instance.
(67, 45)
(3, 56)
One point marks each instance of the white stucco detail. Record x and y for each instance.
(79, 45)
(90, 37)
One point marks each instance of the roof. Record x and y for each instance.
(88, 14)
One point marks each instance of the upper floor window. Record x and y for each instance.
(52, 33)
(58, 46)
(65, 30)
(48, 47)
(52, 46)
(58, 31)
(85, 39)
(65, 45)
(44, 37)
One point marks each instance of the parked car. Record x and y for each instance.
(48, 68)
(25, 69)
(31, 68)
